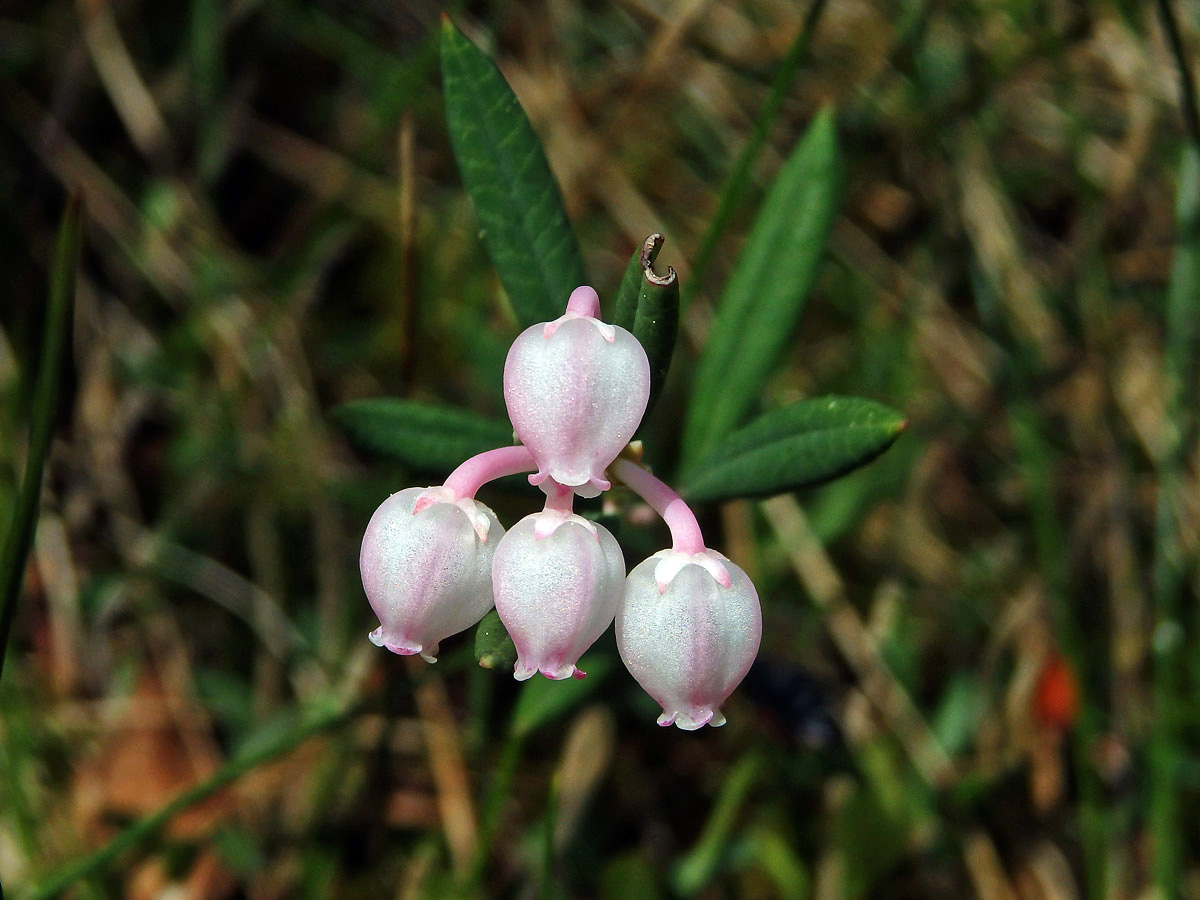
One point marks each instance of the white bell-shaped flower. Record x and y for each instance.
(428, 573)
(558, 580)
(576, 389)
(688, 628)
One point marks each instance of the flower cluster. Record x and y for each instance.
(435, 560)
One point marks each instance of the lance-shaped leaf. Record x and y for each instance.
(428, 437)
(801, 444)
(648, 306)
(767, 290)
(515, 196)
(493, 647)
(56, 332)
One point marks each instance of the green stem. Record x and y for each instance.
(735, 185)
(697, 868)
(316, 722)
(16, 751)
(1035, 458)
(492, 807)
(55, 340)
(1170, 567)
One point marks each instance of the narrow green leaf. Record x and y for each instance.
(737, 183)
(631, 284)
(524, 225)
(493, 647)
(767, 289)
(872, 827)
(629, 876)
(1172, 562)
(648, 307)
(694, 872)
(55, 341)
(542, 700)
(320, 717)
(775, 855)
(657, 326)
(801, 444)
(428, 437)
(957, 716)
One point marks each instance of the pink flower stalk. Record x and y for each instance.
(576, 389)
(558, 580)
(426, 557)
(689, 624)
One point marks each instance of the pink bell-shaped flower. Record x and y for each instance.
(688, 629)
(428, 573)
(576, 389)
(558, 580)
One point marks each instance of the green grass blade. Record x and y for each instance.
(319, 719)
(425, 436)
(737, 183)
(695, 870)
(767, 289)
(802, 444)
(515, 196)
(55, 341)
(542, 700)
(775, 855)
(1171, 564)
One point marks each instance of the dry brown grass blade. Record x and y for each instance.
(586, 757)
(986, 868)
(991, 225)
(56, 566)
(460, 824)
(119, 74)
(325, 173)
(210, 578)
(823, 583)
(579, 157)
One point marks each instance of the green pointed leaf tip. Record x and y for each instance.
(423, 435)
(494, 649)
(802, 444)
(524, 224)
(767, 290)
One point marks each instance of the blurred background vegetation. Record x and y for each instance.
(981, 654)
